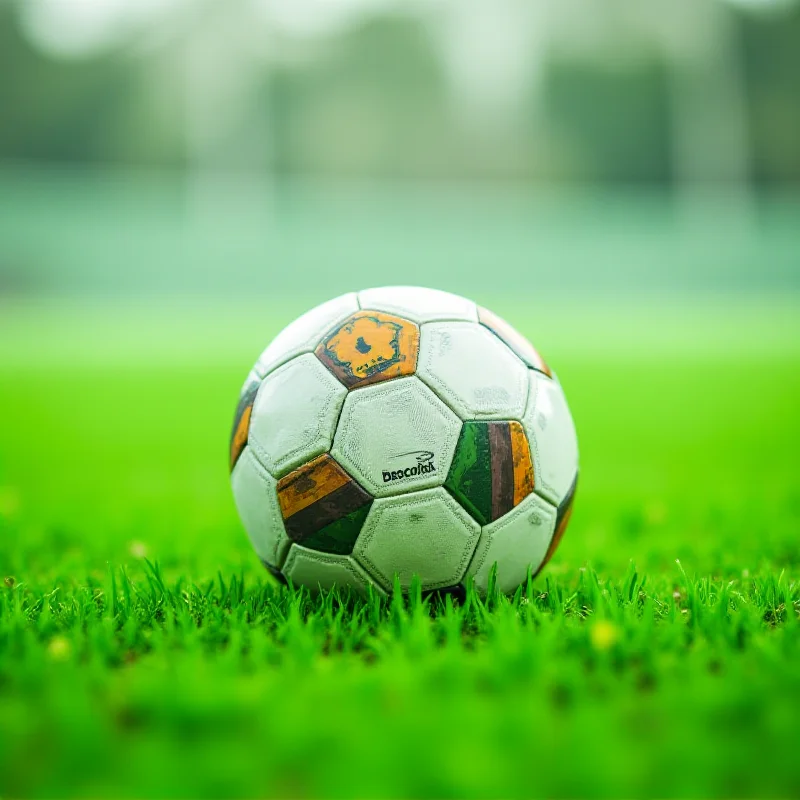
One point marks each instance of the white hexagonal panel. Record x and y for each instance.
(424, 533)
(472, 370)
(317, 571)
(305, 333)
(551, 433)
(396, 436)
(517, 542)
(295, 413)
(417, 304)
(256, 500)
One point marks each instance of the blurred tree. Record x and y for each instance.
(636, 95)
(771, 62)
(615, 120)
(92, 109)
(372, 103)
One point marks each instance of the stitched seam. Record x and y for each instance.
(407, 312)
(529, 425)
(275, 517)
(321, 435)
(284, 464)
(304, 347)
(345, 423)
(312, 555)
(387, 504)
(507, 520)
(490, 534)
(545, 483)
(476, 535)
(451, 398)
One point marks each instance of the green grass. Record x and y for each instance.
(144, 652)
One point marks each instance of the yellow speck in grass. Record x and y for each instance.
(603, 635)
(9, 501)
(138, 549)
(655, 513)
(59, 648)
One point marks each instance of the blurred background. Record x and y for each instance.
(285, 149)
(179, 179)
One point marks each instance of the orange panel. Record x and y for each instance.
(562, 521)
(239, 439)
(515, 340)
(370, 346)
(309, 483)
(557, 537)
(241, 420)
(523, 467)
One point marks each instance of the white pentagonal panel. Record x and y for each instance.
(294, 415)
(516, 542)
(472, 370)
(551, 433)
(256, 500)
(417, 304)
(396, 436)
(306, 332)
(426, 533)
(317, 570)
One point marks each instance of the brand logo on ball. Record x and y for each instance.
(423, 466)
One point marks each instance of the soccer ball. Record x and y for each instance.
(403, 432)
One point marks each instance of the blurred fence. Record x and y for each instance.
(72, 230)
(272, 145)
(517, 90)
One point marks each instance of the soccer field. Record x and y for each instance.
(144, 651)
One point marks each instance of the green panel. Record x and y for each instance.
(470, 476)
(340, 536)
